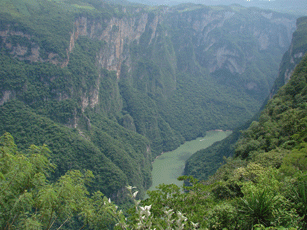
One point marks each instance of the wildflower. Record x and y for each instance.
(135, 193)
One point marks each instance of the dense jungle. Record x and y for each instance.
(91, 92)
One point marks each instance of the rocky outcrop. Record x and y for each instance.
(26, 48)
(293, 56)
(217, 35)
(6, 96)
(152, 48)
(118, 33)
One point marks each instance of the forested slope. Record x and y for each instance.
(293, 56)
(205, 162)
(44, 97)
(109, 87)
(264, 185)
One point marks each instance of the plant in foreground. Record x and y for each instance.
(144, 219)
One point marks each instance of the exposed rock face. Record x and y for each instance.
(226, 58)
(118, 33)
(28, 49)
(6, 96)
(227, 39)
(219, 32)
(172, 74)
(293, 56)
(269, 31)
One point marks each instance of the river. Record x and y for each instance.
(170, 165)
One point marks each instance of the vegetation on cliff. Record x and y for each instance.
(264, 184)
(293, 56)
(262, 187)
(110, 103)
(178, 78)
(205, 162)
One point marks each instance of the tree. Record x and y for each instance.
(29, 201)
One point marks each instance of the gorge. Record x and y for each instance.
(92, 92)
(109, 87)
(170, 165)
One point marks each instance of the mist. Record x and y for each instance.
(297, 7)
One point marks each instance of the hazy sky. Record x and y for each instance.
(174, 2)
(298, 7)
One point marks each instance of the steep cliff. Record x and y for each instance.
(121, 84)
(205, 162)
(293, 56)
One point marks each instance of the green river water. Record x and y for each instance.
(170, 165)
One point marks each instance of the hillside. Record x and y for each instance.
(293, 56)
(109, 87)
(264, 185)
(205, 162)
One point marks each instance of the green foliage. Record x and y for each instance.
(148, 121)
(264, 186)
(261, 199)
(206, 162)
(29, 201)
(166, 95)
(69, 149)
(298, 196)
(258, 208)
(56, 93)
(223, 216)
(290, 58)
(282, 122)
(226, 190)
(295, 162)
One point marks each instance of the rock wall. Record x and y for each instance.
(293, 56)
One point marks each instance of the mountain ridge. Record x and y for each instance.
(134, 75)
(200, 164)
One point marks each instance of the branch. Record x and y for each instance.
(63, 223)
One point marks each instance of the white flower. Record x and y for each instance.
(170, 211)
(137, 202)
(135, 193)
(146, 208)
(130, 187)
(195, 225)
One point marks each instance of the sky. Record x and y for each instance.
(174, 2)
(298, 7)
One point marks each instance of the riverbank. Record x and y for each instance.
(170, 165)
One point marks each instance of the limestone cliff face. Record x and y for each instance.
(27, 49)
(221, 38)
(118, 33)
(225, 39)
(169, 74)
(293, 56)
(152, 48)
